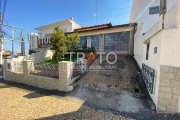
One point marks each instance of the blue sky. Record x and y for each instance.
(33, 13)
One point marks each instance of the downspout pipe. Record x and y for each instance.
(163, 10)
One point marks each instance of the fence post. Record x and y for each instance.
(5, 69)
(28, 66)
(65, 73)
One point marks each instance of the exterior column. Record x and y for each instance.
(65, 73)
(169, 90)
(28, 67)
(101, 43)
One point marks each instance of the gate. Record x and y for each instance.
(79, 68)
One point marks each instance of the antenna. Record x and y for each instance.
(96, 11)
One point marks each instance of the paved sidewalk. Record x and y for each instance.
(21, 102)
(18, 103)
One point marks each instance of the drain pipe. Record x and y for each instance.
(163, 10)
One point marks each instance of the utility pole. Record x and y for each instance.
(22, 44)
(1, 40)
(12, 54)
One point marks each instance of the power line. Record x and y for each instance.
(4, 9)
(117, 10)
(121, 6)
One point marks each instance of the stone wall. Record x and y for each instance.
(169, 90)
(61, 84)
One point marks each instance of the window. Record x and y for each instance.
(147, 51)
(89, 41)
(9, 66)
(117, 41)
(154, 10)
(95, 41)
(83, 42)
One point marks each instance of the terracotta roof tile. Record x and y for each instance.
(102, 26)
(6, 53)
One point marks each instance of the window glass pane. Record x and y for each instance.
(154, 10)
(95, 41)
(117, 41)
(83, 42)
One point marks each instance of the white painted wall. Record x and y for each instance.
(168, 43)
(154, 61)
(67, 26)
(142, 14)
(43, 55)
(170, 3)
(170, 55)
(138, 46)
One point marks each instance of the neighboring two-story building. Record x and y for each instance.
(41, 40)
(157, 50)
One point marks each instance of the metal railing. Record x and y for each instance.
(47, 70)
(16, 67)
(148, 77)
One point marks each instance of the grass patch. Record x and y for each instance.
(66, 58)
(84, 50)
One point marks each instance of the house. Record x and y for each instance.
(107, 38)
(67, 25)
(157, 50)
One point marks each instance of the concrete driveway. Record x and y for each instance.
(116, 91)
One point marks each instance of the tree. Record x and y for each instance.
(74, 41)
(58, 43)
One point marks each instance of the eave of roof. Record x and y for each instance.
(100, 27)
(93, 27)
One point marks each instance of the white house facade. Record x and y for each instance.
(45, 31)
(146, 12)
(156, 50)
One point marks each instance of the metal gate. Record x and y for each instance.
(117, 42)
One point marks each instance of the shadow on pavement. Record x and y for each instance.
(36, 92)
